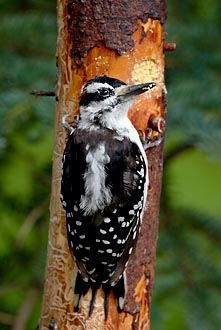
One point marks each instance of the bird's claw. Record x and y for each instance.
(67, 126)
(156, 124)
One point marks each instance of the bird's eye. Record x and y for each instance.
(104, 92)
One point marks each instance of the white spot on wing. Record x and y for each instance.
(111, 274)
(105, 281)
(105, 241)
(103, 231)
(91, 271)
(141, 172)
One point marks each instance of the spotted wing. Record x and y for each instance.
(102, 242)
(127, 173)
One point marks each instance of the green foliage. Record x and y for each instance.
(187, 282)
(27, 42)
(188, 272)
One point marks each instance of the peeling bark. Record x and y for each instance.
(125, 40)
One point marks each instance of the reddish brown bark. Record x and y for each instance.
(125, 40)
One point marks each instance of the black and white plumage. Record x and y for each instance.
(104, 188)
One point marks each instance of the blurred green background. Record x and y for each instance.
(187, 293)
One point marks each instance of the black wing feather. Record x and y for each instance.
(103, 241)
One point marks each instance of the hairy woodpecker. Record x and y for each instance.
(104, 188)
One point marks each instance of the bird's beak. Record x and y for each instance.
(127, 91)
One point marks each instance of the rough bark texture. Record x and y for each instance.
(110, 22)
(121, 39)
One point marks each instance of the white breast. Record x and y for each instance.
(97, 195)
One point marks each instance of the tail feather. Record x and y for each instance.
(81, 287)
(119, 291)
(91, 308)
(106, 301)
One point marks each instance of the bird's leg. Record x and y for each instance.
(156, 124)
(67, 126)
(152, 143)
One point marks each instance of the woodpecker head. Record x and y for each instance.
(102, 97)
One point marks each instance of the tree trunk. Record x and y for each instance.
(124, 40)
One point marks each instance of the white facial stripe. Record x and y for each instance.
(92, 88)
